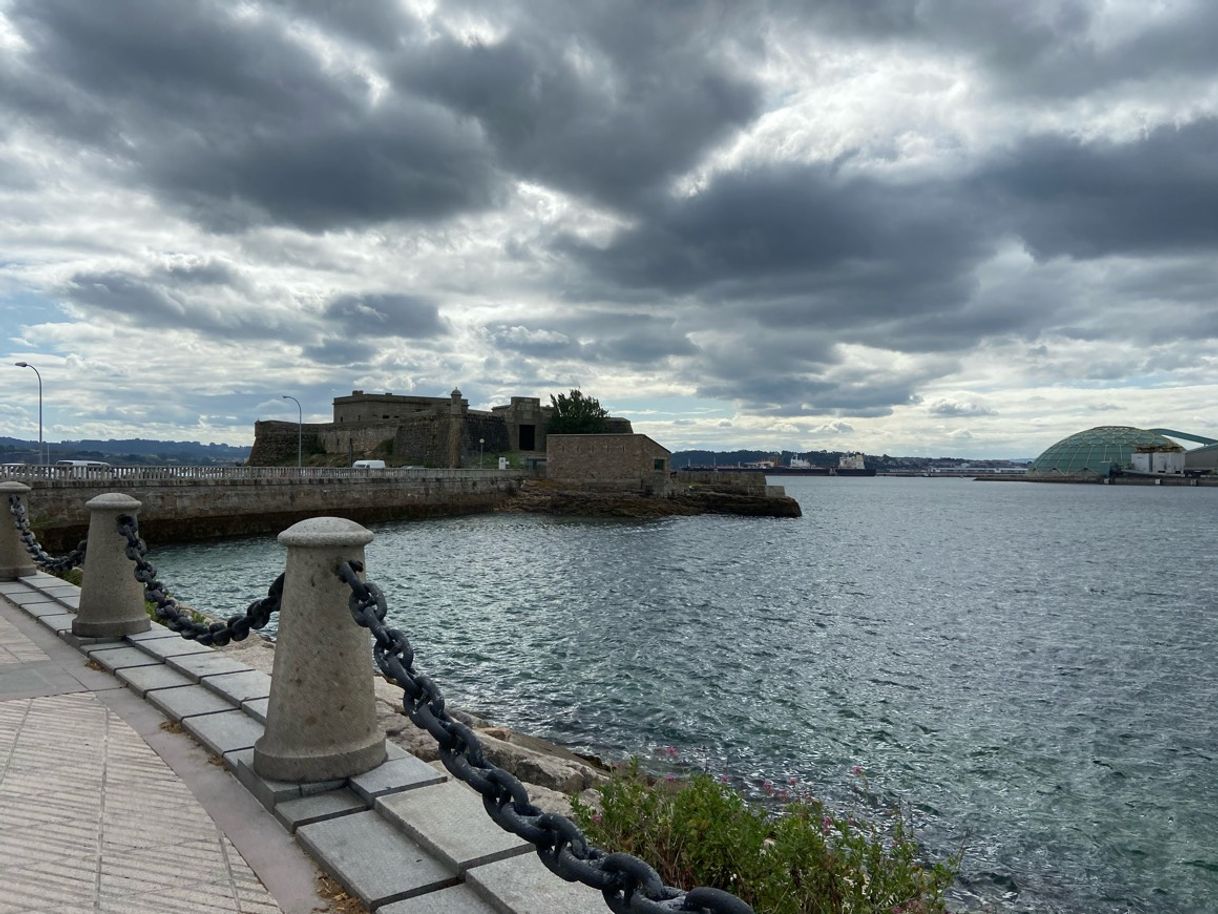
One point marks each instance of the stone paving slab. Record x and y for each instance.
(18, 586)
(450, 821)
(153, 634)
(47, 608)
(524, 885)
(175, 647)
(267, 791)
(28, 596)
(240, 687)
(196, 666)
(73, 601)
(60, 623)
(143, 679)
(373, 860)
(224, 732)
(187, 701)
(63, 589)
(318, 808)
(460, 899)
(392, 776)
(119, 658)
(256, 708)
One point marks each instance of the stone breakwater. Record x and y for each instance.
(191, 509)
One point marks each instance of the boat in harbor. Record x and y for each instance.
(852, 465)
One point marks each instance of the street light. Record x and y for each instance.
(41, 457)
(299, 429)
(480, 443)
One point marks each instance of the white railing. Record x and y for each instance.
(25, 472)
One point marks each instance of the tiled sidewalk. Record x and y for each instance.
(91, 818)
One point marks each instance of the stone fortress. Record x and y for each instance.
(413, 431)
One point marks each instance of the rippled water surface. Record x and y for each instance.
(1034, 668)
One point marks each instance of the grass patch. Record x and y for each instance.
(805, 860)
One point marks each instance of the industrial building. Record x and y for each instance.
(1116, 450)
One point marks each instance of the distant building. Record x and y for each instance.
(1104, 451)
(402, 430)
(621, 461)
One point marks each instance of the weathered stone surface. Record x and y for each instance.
(318, 808)
(269, 793)
(111, 599)
(373, 860)
(394, 776)
(240, 687)
(142, 679)
(117, 658)
(196, 666)
(155, 633)
(321, 721)
(256, 708)
(174, 647)
(460, 899)
(523, 885)
(450, 821)
(188, 701)
(224, 732)
(58, 623)
(15, 562)
(47, 608)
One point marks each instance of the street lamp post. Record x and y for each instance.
(41, 454)
(481, 441)
(299, 430)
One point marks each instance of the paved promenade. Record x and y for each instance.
(103, 810)
(127, 785)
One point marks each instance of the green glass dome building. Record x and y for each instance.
(1095, 452)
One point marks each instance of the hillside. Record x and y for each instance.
(125, 451)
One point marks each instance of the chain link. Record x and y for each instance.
(628, 884)
(234, 628)
(44, 561)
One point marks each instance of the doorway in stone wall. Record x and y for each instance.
(528, 437)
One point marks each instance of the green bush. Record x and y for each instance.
(803, 861)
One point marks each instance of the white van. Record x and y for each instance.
(368, 465)
(81, 468)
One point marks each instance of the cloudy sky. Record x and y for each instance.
(909, 227)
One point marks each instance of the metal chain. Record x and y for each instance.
(234, 628)
(628, 884)
(47, 562)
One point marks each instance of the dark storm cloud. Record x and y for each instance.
(596, 336)
(149, 301)
(230, 118)
(340, 351)
(802, 246)
(1157, 194)
(386, 314)
(603, 100)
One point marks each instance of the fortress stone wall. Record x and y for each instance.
(412, 431)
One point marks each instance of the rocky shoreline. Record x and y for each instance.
(551, 773)
(548, 497)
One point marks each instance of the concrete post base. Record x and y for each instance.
(15, 562)
(321, 718)
(111, 599)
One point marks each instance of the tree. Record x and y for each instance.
(575, 414)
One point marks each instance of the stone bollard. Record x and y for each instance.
(15, 562)
(321, 721)
(111, 599)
